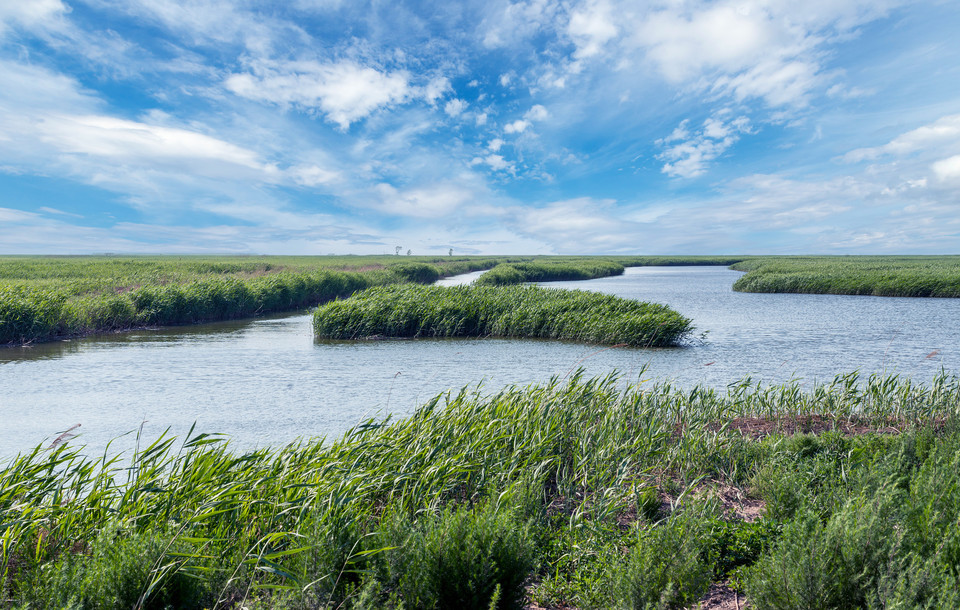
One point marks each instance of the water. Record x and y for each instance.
(267, 382)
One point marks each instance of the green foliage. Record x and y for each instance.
(516, 273)
(462, 558)
(668, 566)
(515, 311)
(903, 276)
(542, 483)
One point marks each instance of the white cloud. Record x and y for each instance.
(129, 140)
(518, 126)
(431, 201)
(948, 170)
(495, 144)
(30, 14)
(687, 154)
(344, 91)
(536, 113)
(455, 107)
(942, 133)
(436, 88)
(481, 119)
(509, 23)
(591, 27)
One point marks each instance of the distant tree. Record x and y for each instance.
(451, 251)
(398, 249)
(409, 252)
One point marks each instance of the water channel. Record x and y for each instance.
(266, 382)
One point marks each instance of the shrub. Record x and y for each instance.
(460, 559)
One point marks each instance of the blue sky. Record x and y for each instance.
(488, 127)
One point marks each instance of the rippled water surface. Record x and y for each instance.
(267, 382)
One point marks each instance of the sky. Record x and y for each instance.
(480, 126)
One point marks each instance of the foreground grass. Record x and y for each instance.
(509, 311)
(584, 493)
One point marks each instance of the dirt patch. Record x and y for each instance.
(759, 427)
(721, 597)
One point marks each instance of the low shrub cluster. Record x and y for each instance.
(509, 311)
(517, 273)
(584, 493)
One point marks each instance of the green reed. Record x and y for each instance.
(517, 273)
(510, 311)
(190, 523)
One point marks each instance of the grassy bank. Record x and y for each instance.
(902, 276)
(43, 298)
(517, 273)
(508, 311)
(584, 493)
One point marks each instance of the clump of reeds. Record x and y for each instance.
(516, 273)
(514, 311)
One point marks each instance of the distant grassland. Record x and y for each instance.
(505, 311)
(42, 298)
(46, 297)
(583, 494)
(894, 276)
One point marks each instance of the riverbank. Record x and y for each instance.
(581, 494)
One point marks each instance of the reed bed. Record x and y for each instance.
(599, 493)
(897, 276)
(43, 298)
(509, 311)
(518, 273)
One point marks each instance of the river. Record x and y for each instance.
(267, 382)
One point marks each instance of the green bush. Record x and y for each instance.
(461, 559)
(668, 567)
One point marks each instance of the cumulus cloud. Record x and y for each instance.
(455, 107)
(948, 170)
(344, 91)
(687, 153)
(518, 126)
(591, 26)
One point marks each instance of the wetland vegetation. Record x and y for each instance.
(889, 276)
(585, 493)
(518, 273)
(44, 298)
(499, 311)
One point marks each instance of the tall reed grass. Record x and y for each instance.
(510, 311)
(475, 495)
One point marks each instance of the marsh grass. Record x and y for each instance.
(509, 311)
(516, 273)
(43, 298)
(483, 492)
(903, 276)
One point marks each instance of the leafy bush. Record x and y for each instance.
(462, 559)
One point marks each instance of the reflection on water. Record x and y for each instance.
(266, 381)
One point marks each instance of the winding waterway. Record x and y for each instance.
(267, 382)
